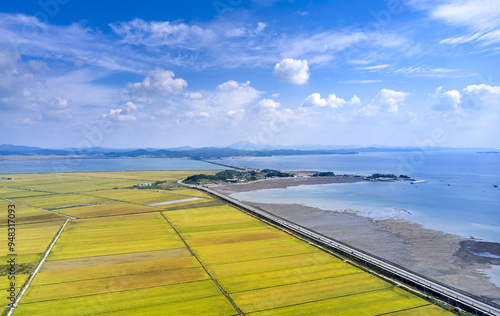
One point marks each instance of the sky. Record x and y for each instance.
(162, 74)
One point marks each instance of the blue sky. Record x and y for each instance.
(208, 73)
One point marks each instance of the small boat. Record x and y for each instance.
(418, 181)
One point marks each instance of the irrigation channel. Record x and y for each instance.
(448, 294)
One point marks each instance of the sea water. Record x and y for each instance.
(459, 195)
(94, 165)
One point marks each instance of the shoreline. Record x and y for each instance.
(282, 183)
(447, 258)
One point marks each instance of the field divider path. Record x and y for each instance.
(43, 209)
(28, 283)
(204, 268)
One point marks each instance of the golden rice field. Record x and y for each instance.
(5, 284)
(26, 214)
(114, 235)
(58, 200)
(142, 176)
(62, 183)
(193, 298)
(266, 270)
(121, 257)
(31, 240)
(15, 193)
(191, 192)
(106, 208)
(139, 196)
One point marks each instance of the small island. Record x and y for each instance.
(388, 177)
(235, 176)
(250, 175)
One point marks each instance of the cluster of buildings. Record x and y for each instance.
(143, 185)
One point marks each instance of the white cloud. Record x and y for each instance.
(74, 43)
(260, 27)
(129, 106)
(361, 81)
(387, 100)
(116, 115)
(140, 32)
(335, 102)
(124, 113)
(354, 100)
(158, 81)
(320, 43)
(275, 95)
(233, 95)
(236, 114)
(228, 100)
(477, 14)
(194, 95)
(437, 91)
(138, 44)
(473, 97)
(230, 85)
(315, 100)
(476, 97)
(425, 71)
(449, 101)
(56, 109)
(268, 104)
(480, 17)
(235, 32)
(461, 39)
(60, 102)
(490, 38)
(373, 68)
(482, 89)
(292, 71)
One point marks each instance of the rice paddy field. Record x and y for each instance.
(119, 256)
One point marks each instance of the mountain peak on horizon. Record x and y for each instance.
(246, 145)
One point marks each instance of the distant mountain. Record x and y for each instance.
(238, 149)
(245, 145)
(17, 149)
(216, 152)
(181, 148)
(252, 146)
(95, 150)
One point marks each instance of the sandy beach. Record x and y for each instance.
(444, 257)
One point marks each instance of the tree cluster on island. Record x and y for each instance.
(390, 176)
(236, 176)
(324, 174)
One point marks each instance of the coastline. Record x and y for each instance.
(281, 183)
(444, 257)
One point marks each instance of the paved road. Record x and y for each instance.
(402, 273)
(33, 275)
